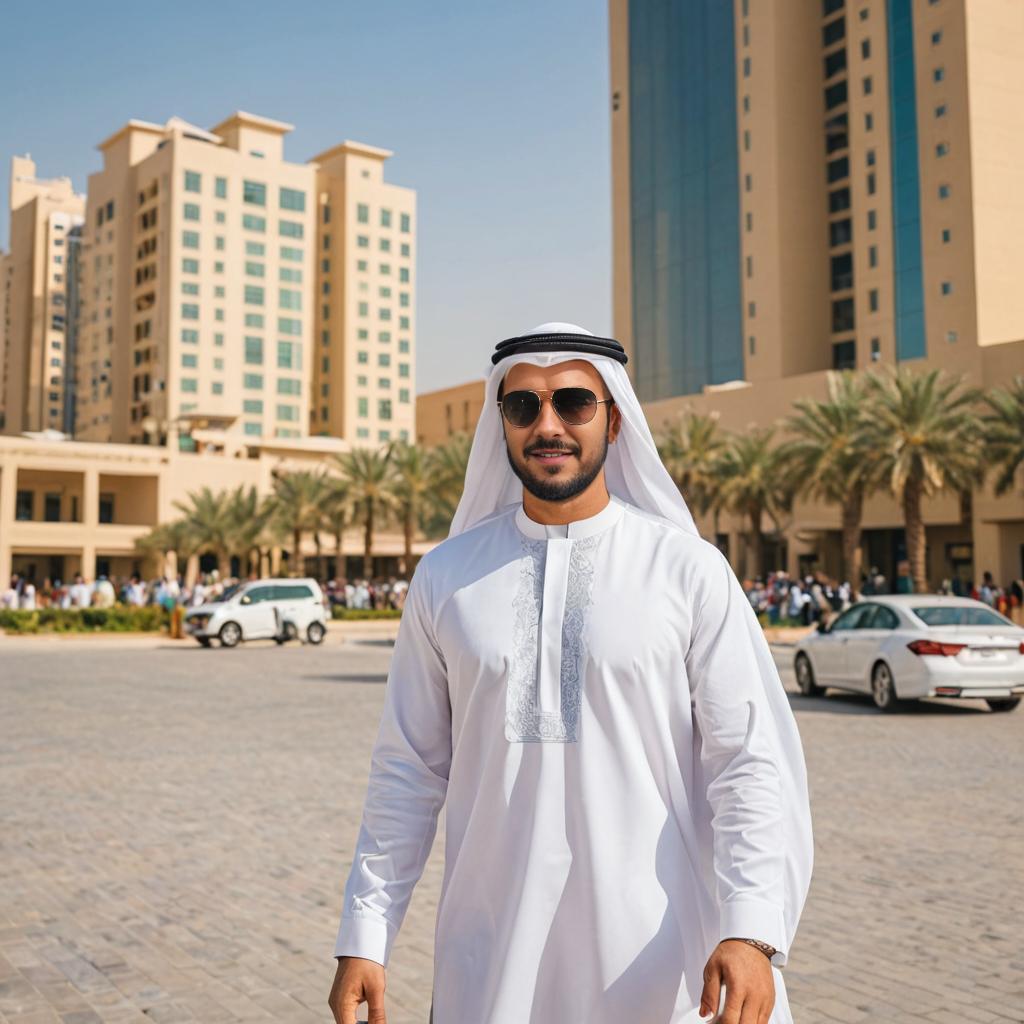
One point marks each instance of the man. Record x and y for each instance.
(579, 677)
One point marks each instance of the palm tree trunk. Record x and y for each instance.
(913, 524)
(407, 556)
(853, 509)
(296, 567)
(368, 541)
(339, 565)
(756, 543)
(319, 555)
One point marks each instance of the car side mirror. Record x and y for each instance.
(245, 599)
(822, 626)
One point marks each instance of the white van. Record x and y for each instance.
(261, 610)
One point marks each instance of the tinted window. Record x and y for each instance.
(884, 618)
(959, 615)
(258, 594)
(850, 619)
(292, 592)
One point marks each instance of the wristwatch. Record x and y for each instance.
(769, 951)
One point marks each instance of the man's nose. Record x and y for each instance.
(548, 422)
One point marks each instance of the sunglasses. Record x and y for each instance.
(574, 406)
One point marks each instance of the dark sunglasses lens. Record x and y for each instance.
(520, 407)
(575, 405)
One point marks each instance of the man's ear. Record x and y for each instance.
(614, 423)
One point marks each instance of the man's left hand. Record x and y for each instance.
(746, 974)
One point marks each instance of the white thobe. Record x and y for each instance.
(561, 689)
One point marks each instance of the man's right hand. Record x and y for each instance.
(356, 981)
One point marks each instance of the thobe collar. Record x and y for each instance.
(607, 517)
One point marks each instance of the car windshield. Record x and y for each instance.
(959, 615)
(228, 593)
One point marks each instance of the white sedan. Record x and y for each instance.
(900, 647)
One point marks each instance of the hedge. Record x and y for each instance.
(353, 614)
(119, 619)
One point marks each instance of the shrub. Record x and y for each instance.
(119, 619)
(353, 614)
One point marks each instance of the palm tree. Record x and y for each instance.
(924, 437)
(447, 467)
(690, 448)
(208, 523)
(827, 458)
(165, 538)
(1004, 428)
(412, 482)
(297, 506)
(338, 517)
(249, 515)
(369, 483)
(752, 483)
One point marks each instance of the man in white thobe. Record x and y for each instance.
(580, 680)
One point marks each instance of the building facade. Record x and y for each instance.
(363, 370)
(862, 213)
(34, 283)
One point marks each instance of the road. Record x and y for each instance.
(178, 823)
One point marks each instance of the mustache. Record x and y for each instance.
(551, 446)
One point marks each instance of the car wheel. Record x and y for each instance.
(883, 688)
(315, 633)
(805, 677)
(204, 641)
(230, 633)
(1002, 703)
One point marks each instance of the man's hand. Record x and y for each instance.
(749, 986)
(357, 980)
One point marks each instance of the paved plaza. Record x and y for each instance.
(177, 825)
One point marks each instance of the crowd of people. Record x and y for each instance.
(818, 597)
(22, 592)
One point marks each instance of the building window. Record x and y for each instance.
(385, 218)
(833, 32)
(938, 74)
(192, 181)
(362, 213)
(840, 232)
(404, 222)
(942, 149)
(253, 319)
(951, 335)
(947, 287)
(253, 295)
(363, 406)
(405, 248)
(838, 169)
(839, 200)
(290, 228)
(289, 386)
(871, 183)
(288, 298)
(873, 300)
(384, 408)
(293, 199)
(288, 325)
(189, 311)
(876, 350)
(869, 122)
(872, 220)
(189, 266)
(943, 191)
(106, 509)
(842, 315)
(253, 381)
(842, 272)
(946, 235)
(288, 355)
(403, 275)
(189, 384)
(865, 49)
(189, 336)
(253, 223)
(254, 193)
(291, 274)
(383, 359)
(291, 254)
(835, 95)
(866, 85)
(362, 357)
(217, 388)
(191, 211)
(253, 350)
(746, 67)
(254, 269)
(844, 355)
(220, 188)
(940, 110)
(190, 239)
(189, 288)
(872, 255)
(23, 506)
(403, 369)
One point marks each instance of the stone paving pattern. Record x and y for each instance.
(177, 825)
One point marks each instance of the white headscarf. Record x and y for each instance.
(633, 470)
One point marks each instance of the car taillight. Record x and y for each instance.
(935, 647)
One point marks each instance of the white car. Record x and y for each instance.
(277, 609)
(899, 647)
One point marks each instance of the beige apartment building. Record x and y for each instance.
(71, 506)
(829, 185)
(363, 370)
(442, 414)
(36, 278)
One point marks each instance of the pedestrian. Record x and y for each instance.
(626, 808)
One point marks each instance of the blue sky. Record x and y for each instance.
(497, 113)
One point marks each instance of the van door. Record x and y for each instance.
(256, 613)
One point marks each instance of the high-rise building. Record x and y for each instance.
(33, 297)
(801, 187)
(363, 371)
(831, 184)
(195, 287)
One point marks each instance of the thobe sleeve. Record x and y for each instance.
(407, 786)
(739, 755)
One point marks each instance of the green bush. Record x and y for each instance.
(353, 614)
(119, 619)
(783, 623)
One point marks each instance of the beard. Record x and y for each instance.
(558, 488)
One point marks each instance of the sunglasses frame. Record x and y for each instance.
(548, 396)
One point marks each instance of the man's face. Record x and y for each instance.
(555, 460)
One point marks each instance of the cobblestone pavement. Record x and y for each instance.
(177, 825)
